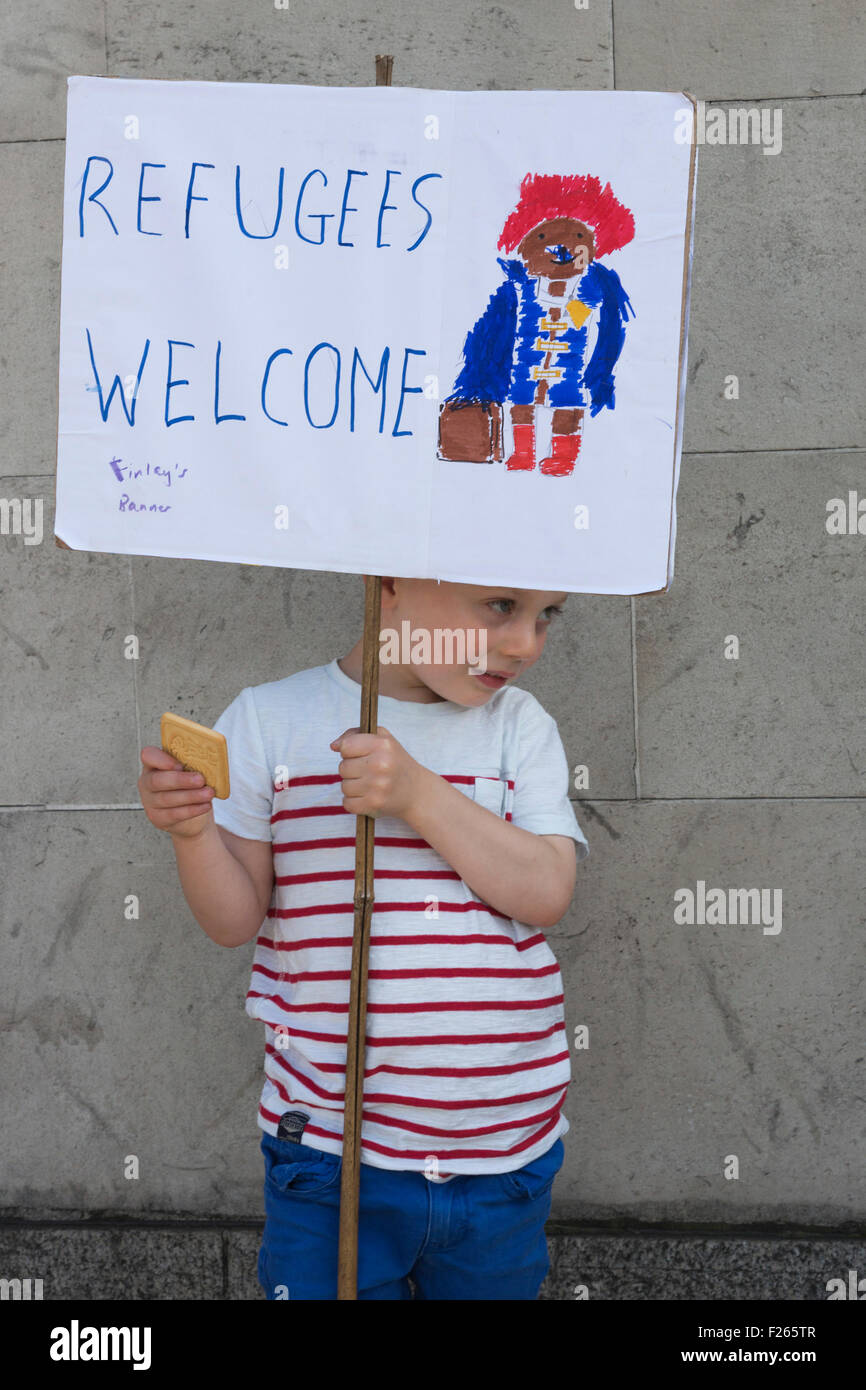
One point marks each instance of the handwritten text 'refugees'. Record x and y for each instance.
(309, 200)
(346, 211)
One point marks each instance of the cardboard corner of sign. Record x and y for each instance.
(61, 544)
(651, 593)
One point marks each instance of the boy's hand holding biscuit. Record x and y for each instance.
(379, 777)
(174, 800)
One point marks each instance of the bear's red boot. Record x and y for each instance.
(560, 462)
(524, 448)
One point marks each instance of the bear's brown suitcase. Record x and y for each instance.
(470, 432)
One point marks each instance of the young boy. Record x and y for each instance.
(467, 1061)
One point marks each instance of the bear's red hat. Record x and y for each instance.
(546, 196)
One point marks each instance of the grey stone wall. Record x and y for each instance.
(706, 1041)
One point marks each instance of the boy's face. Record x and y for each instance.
(503, 629)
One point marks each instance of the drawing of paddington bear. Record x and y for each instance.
(553, 330)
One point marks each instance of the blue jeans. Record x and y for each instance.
(474, 1237)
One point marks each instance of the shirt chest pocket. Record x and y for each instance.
(494, 793)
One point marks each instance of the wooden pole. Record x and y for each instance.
(350, 1178)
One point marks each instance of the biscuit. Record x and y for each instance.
(199, 749)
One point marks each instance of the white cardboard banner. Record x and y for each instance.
(309, 327)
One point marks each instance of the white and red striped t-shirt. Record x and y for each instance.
(467, 1057)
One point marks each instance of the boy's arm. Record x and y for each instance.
(227, 874)
(527, 876)
(227, 882)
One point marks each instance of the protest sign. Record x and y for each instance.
(376, 330)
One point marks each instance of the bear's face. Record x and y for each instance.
(559, 248)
